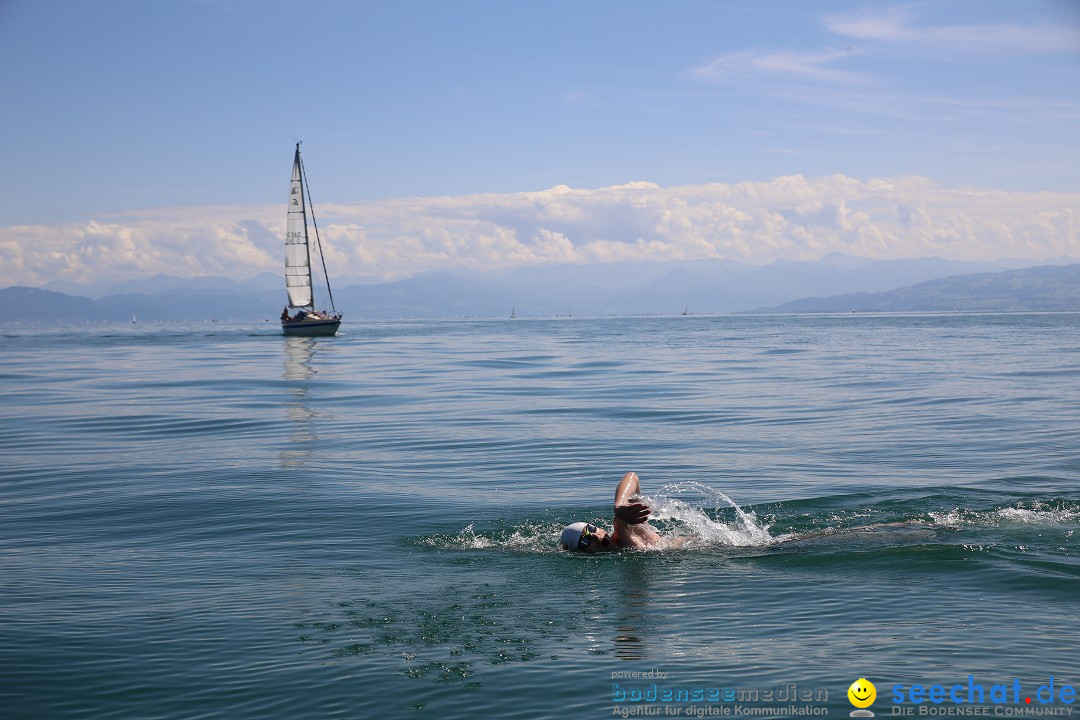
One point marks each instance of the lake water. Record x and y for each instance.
(214, 521)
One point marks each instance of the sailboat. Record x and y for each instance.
(307, 321)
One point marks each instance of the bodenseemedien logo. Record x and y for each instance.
(862, 694)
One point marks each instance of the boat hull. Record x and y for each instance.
(311, 328)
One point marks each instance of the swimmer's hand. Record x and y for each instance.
(633, 513)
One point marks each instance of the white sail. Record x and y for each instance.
(297, 254)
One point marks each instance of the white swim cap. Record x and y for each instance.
(571, 534)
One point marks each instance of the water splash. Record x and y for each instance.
(688, 523)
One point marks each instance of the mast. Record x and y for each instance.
(305, 198)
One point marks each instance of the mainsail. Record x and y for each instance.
(297, 252)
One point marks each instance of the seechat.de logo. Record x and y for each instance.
(862, 694)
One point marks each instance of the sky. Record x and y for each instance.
(157, 136)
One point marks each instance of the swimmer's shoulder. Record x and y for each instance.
(637, 536)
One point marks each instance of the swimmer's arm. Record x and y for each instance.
(631, 528)
(632, 513)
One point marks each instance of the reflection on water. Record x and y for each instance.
(633, 600)
(299, 370)
(299, 353)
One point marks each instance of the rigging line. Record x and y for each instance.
(318, 241)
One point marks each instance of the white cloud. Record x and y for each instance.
(757, 222)
(881, 37)
(752, 64)
(895, 25)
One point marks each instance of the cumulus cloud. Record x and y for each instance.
(791, 217)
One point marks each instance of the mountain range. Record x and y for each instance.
(1045, 288)
(834, 283)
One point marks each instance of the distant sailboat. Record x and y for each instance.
(308, 321)
(513, 313)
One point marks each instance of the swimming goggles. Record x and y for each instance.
(586, 536)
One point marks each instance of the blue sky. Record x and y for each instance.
(113, 106)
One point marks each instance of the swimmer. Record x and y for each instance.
(630, 526)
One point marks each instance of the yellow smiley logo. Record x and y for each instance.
(862, 693)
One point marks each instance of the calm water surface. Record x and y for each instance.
(214, 521)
